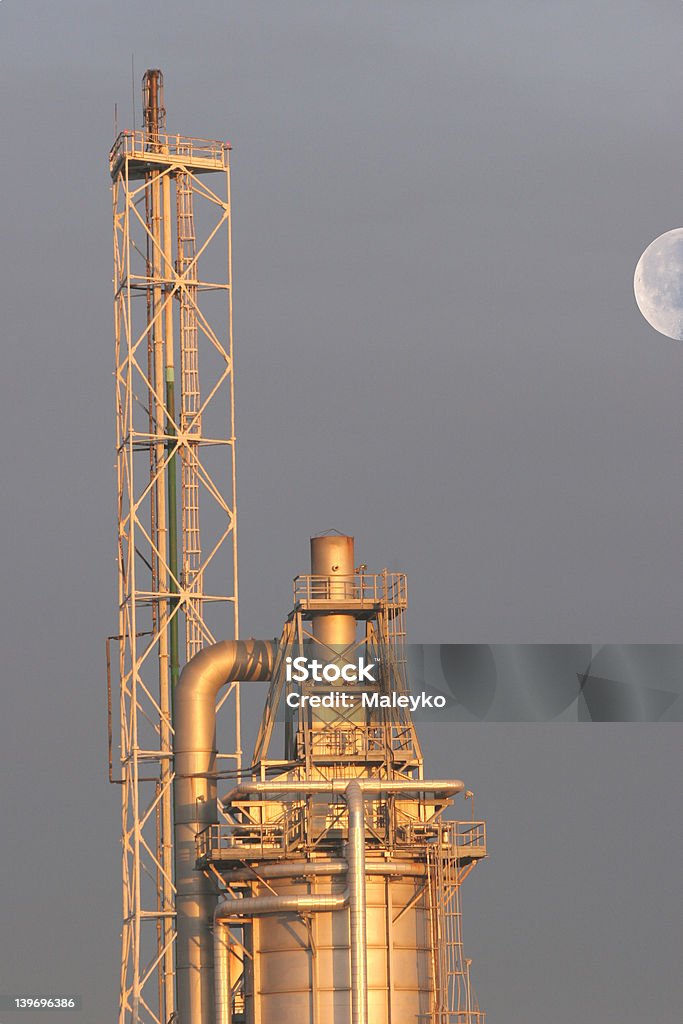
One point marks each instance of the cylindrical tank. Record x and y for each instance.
(332, 566)
(300, 970)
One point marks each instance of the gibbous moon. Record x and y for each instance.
(658, 284)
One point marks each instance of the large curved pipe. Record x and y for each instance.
(195, 807)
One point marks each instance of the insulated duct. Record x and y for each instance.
(195, 807)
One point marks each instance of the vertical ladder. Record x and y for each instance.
(454, 999)
(190, 417)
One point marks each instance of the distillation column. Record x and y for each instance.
(336, 876)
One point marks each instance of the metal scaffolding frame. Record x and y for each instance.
(172, 300)
(390, 741)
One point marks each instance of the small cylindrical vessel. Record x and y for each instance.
(333, 580)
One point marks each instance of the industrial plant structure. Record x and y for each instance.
(319, 882)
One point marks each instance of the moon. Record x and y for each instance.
(658, 284)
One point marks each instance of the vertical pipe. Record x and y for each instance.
(221, 974)
(357, 904)
(233, 468)
(389, 925)
(153, 110)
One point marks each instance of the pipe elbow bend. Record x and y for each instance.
(249, 661)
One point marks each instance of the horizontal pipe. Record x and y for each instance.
(372, 787)
(256, 906)
(303, 868)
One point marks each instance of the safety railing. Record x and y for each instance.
(462, 838)
(283, 833)
(338, 740)
(307, 822)
(464, 835)
(452, 1017)
(141, 145)
(365, 588)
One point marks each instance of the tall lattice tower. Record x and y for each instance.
(175, 457)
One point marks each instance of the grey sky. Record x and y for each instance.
(438, 210)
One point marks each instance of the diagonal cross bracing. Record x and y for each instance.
(174, 382)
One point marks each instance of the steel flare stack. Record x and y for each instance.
(322, 883)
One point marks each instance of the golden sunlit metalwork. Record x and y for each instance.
(177, 582)
(324, 882)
